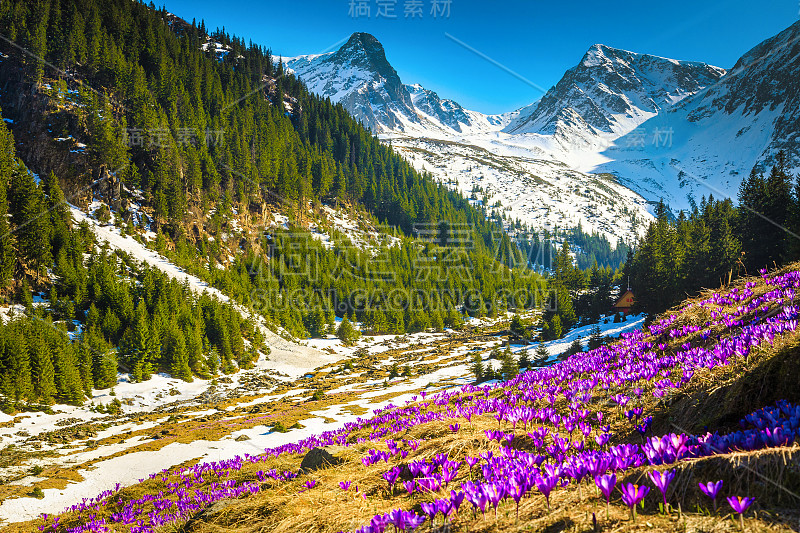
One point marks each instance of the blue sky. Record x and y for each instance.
(536, 39)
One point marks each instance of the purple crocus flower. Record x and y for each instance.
(430, 509)
(546, 485)
(711, 489)
(662, 480)
(454, 427)
(345, 485)
(606, 484)
(478, 499)
(740, 505)
(391, 476)
(445, 507)
(632, 495)
(493, 493)
(412, 520)
(457, 498)
(515, 491)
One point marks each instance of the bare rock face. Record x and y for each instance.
(324, 457)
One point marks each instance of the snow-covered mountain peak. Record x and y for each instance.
(784, 45)
(718, 135)
(359, 76)
(600, 54)
(365, 52)
(611, 91)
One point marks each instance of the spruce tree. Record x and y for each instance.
(177, 356)
(477, 367)
(524, 361)
(104, 359)
(508, 368)
(15, 379)
(29, 215)
(42, 369)
(347, 333)
(7, 244)
(596, 338)
(542, 353)
(67, 377)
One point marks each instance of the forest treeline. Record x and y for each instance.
(717, 240)
(224, 132)
(101, 312)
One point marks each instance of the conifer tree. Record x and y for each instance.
(104, 359)
(596, 338)
(347, 333)
(542, 353)
(138, 345)
(177, 356)
(67, 377)
(524, 361)
(29, 215)
(42, 369)
(555, 327)
(15, 379)
(477, 367)
(508, 367)
(7, 244)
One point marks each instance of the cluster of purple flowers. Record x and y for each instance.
(401, 520)
(571, 448)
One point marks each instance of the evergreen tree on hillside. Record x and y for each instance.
(477, 367)
(347, 333)
(104, 360)
(7, 244)
(656, 265)
(596, 338)
(516, 326)
(29, 215)
(541, 352)
(176, 354)
(137, 345)
(15, 377)
(67, 376)
(508, 367)
(42, 369)
(524, 361)
(766, 205)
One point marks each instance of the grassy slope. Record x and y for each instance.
(714, 399)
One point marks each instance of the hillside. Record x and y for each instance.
(525, 452)
(202, 151)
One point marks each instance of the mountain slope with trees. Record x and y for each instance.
(195, 142)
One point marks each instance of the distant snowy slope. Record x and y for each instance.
(710, 141)
(659, 127)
